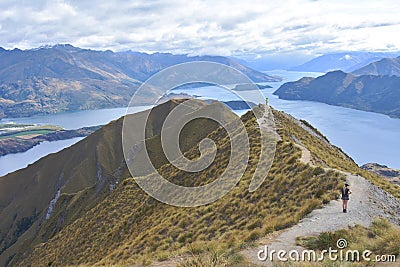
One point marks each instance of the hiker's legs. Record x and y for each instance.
(345, 204)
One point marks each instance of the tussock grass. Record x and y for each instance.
(382, 238)
(130, 228)
(212, 254)
(324, 155)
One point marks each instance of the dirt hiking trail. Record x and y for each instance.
(366, 203)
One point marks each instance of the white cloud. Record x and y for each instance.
(204, 27)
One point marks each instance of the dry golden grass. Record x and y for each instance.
(129, 227)
(381, 238)
(327, 156)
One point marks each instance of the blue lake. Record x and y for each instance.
(13, 162)
(365, 136)
(68, 120)
(75, 120)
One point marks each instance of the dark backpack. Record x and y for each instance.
(345, 192)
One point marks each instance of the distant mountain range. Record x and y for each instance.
(386, 66)
(367, 92)
(347, 61)
(65, 78)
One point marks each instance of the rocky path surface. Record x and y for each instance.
(366, 203)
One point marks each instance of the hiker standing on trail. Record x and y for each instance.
(345, 196)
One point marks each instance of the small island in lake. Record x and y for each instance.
(250, 87)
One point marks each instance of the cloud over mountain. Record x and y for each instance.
(203, 27)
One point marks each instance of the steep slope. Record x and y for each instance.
(102, 222)
(61, 78)
(40, 200)
(64, 78)
(386, 66)
(368, 92)
(129, 227)
(346, 61)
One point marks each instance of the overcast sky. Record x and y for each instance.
(238, 28)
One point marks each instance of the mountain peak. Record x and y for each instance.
(386, 66)
(337, 72)
(56, 46)
(346, 61)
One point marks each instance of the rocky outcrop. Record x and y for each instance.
(393, 175)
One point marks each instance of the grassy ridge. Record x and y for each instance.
(130, 227)
(86, 173)
(326, 155)
(91, 226)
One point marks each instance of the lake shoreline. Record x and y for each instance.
(19, 145)
(365, 136)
